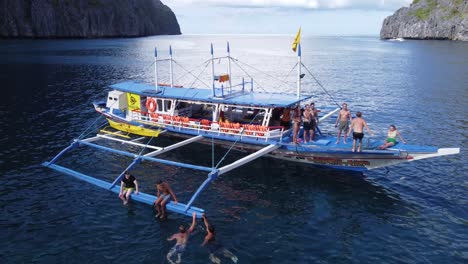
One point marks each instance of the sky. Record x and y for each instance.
(316, 17)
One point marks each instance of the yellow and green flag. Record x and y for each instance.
(297, 40)
(133, 101)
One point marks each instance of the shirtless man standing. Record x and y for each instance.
(160, 203)
(357, 125)
(307, 119)
(313, 121)
(344, 117)
(181, 241)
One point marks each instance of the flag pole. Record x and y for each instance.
(212, 72)
(170, 66)
(299, 70)
(156, 69)
(229, 66)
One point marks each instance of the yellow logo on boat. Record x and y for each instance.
(133, 101)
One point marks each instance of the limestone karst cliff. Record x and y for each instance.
(85, 18)
(429, 19)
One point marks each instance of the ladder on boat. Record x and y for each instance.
(180, 208)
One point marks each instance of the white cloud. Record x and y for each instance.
(307, 4)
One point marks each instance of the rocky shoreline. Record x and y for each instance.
(429, 19)
(85, 19)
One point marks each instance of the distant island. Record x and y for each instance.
(85, 18)
(428, 19)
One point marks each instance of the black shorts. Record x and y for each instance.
(358, 136)
(307, 126)
(285, 124)
(313, 124)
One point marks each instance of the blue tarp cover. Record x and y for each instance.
(262, 99)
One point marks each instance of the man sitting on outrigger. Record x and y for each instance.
(164, 192)
(182, 238)
(127, 185)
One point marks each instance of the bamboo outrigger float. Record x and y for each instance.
(241, 119)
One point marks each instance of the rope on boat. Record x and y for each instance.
(235, 142)
(287, 75)
(267, 74)
(190, 72)
(235, 61)
(83, 134)
(321, 86)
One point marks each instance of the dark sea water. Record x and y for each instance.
(267, 211)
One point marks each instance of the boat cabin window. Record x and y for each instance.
(160, 105)
(168, 104)
(181, 105)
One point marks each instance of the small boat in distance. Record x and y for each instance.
(234, 116)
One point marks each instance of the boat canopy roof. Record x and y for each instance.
(254, 98)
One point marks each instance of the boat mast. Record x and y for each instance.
(156, 69)
(299, 71)
(229, 66)
(212, 72)
(170, 66)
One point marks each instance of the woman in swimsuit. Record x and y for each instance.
(391, 138)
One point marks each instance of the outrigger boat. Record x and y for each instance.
(242, 119)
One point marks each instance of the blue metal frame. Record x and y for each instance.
(142, 197)
(179, 208)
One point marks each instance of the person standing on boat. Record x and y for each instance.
(127, 185)
(357, 125)
(307, 124)
(164, 192)
(213, 246)
(286, 118)
(313, 121)
(296, 123)
(391, 138)
(344, 117)
(181, 241)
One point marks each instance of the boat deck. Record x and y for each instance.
(328, 143)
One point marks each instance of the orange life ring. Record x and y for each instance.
(151, 105)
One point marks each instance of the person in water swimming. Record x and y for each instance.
(213, 246)
(127, 185)
(391, 138)
(181, 241)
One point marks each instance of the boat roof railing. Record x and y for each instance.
(245, 98)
